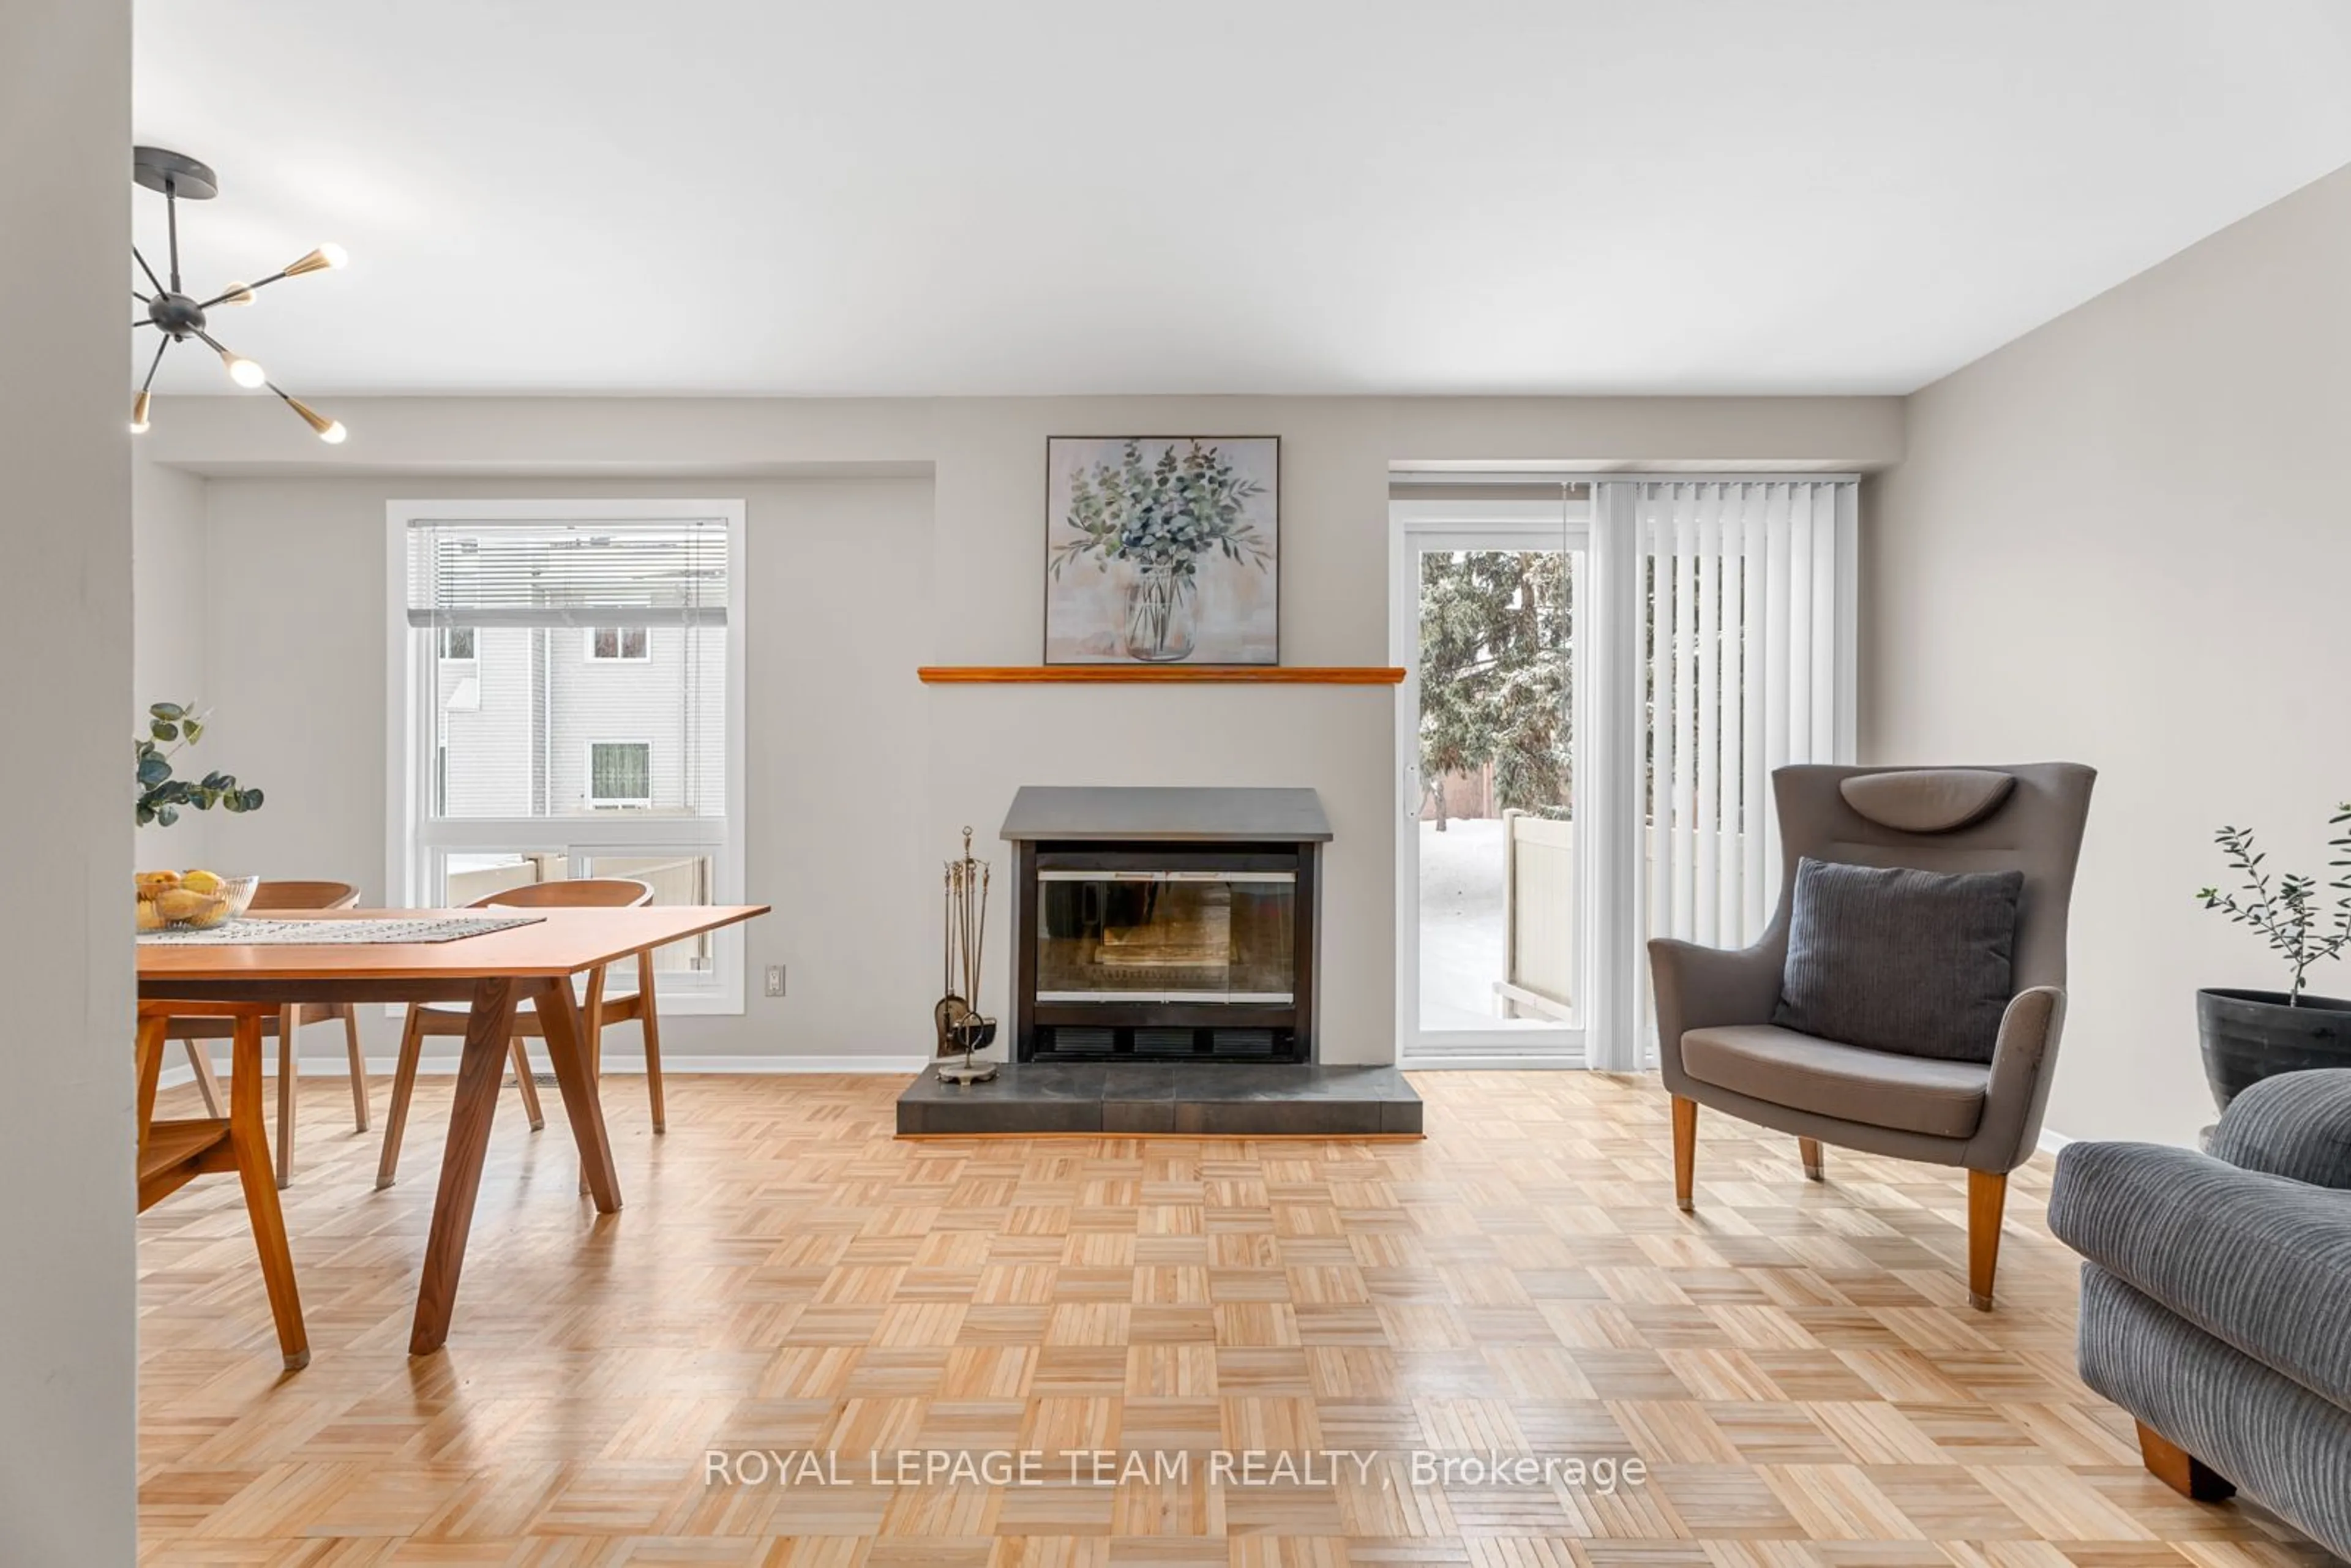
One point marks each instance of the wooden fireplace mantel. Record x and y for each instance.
(1231, 674)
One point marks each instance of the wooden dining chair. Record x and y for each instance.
(285, 1023)
(597, 1011)
(174, 1151)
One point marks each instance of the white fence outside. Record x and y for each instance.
(1542, 917)
(1543, 907)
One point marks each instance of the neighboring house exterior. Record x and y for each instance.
(573, 721)
(552, 723)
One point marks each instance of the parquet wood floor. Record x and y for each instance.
(1794, 1365)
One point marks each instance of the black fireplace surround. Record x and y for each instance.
(1166, 925)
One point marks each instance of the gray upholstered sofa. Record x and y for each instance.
(2216, 1303)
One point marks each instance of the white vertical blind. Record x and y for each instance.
(1742, 631)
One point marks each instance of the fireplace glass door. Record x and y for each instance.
(1166, 935)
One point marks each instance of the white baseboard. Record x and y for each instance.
(179, 1073)
(2053, 1140)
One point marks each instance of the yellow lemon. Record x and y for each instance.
(149, 917)
(152, 883)
(201, 881)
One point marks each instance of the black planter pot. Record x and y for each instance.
(2251, 1035)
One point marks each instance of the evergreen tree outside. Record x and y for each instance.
(1495, 628)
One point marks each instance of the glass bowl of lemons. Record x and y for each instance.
(192, 900)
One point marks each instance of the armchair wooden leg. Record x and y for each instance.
(200, 1062)
(2181, 1470)
(404, 1086)
(351, 1017)
(1809, 1150)
(522, 1080)
(252, 1152)
(1987, 1198)
(289, 1023)
(1684, 1151)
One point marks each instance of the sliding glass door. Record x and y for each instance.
(1601, 677)
(1489, 946)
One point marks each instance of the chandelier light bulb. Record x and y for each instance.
(325, 258)
(237, 294)
(330, 431)
(138, 415)
(241, 371)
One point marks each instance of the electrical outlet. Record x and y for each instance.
(775, 980)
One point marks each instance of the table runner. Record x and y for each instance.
(253, 932)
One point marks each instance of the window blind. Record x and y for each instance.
(669, 572)
(1740, 582)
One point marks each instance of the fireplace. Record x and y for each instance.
(1165, 925)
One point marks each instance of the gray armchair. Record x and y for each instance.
(1717, 1046)
(2216, 1297)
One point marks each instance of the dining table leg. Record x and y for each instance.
(567, 1047)
(480, 1072)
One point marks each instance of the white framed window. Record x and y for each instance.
(619, 644)
(527, 764)
(621, 774)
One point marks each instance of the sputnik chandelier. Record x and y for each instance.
(178, 317)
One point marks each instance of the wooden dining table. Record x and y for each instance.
(492, 972)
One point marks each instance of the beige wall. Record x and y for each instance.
(168, 647)
(67, 1304)
(2123, 539)
(836, 755)
(969, 590)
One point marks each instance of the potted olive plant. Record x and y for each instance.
(2248, 1035)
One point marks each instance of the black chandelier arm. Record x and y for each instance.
(149, 271)
(228, 293)
(172, 217)
(155, 364)
(215, 344)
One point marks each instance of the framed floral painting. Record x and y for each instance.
(1163, 550)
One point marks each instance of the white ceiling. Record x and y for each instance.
(1037, 196)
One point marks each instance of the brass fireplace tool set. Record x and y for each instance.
(960, 1026)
